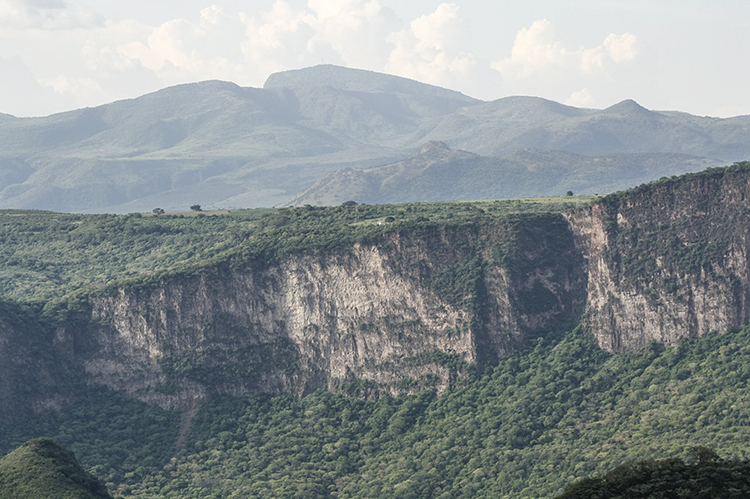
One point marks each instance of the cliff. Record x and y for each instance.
(670, 259)
(412, 307)
(412, 310)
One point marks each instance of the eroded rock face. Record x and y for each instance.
(410, 311)
(413, 309)
(670, 260)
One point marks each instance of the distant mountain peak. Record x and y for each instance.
(627, 107)
(431, 148)
(358, 80)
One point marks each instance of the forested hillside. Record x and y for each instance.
(42, 468)
(558, 412)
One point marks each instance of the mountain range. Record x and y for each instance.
(220, 145)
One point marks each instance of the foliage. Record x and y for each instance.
(559, 411)
(672, 478)
(46, 255)
(43, 468)
(116, 438)
(643, 244)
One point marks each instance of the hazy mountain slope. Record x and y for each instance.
(43, 468)
(500, 127)
(217, 144)
(366, 106)
(358, 80)
(437, 173)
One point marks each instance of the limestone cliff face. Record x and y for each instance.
(412, 309)
(409, 311)
(670, 260)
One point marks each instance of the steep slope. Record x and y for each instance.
(43, 468)
(411, 309)
(437, 173)
(670, 259)
(36, 368)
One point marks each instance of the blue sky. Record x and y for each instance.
(687, 55)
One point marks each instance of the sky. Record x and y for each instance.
(686, 55)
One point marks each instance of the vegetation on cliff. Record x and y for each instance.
(48, 254)
(680, 224)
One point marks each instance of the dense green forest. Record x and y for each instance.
(557, 412)
(46, 254)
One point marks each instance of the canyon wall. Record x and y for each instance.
(417, 307)
(414, 310)
(670, 259)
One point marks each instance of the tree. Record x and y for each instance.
(196, 207)
(157, 211)
(569, 193)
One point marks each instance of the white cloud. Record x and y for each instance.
(536, 52)
(180, 50)
(283, 37)
(581, 98)
(436, 49)
(355, 29)
(20, 92)
(623, 47)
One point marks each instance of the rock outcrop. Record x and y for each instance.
(670, 260)
(411, 311)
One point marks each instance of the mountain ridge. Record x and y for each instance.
(437, 173)
(220, 145)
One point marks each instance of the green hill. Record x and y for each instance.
(42, 468)
(705, 477)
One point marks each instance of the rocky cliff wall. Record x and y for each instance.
(670, 259)
(412, 310)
